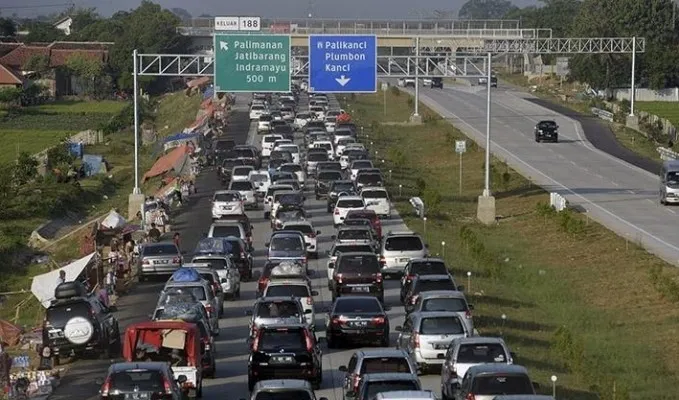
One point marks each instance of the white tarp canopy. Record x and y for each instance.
(43, 285)
(113, 220)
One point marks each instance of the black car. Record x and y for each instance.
(357, 274)
(427, 283)
(284, 129)
(285, 351)
(436, 83)
(281, 155)
(248, 155)
(241, 258)
(374, 384)
(223, 147)
(323, 180)
(357, 318)
(337, 187)
(77, 323)
(547, 130)
(420, 266)
(142, 380)
(226, 166)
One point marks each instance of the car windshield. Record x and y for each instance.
(343, 187)
(283, 243)
(283, 395)
(353, 305)
(241, 171)
(432, 285)
(282, 339)
(441, 326)
(303, 116)
(244, 153)
(304, 228)
(226, 197)
(241, 185)
(428, 268)
(259, 177)
(288, 198)
(291, 148)
(290, 215)
(369, 179)
(403, 243)
(445, 304)
(278, 309)
(285, 128)
(374, 194)
(215, 263)
(291, 168)
(265, 118)
(502, 384)
(160, 250)
(224, 145)
(358, 263)
(481, 354)
(197, 291)
(271, 139)
(374, 388)
(288, 291)
(364, 248)
(317, 157)
(329, 176)
(222, 231)
(137, 380)
(385, 365)
(361, 164)
(547, 125)
(354, 203)
(353, 234)
(59, 315)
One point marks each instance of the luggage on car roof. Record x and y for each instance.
(68, 290)
(186, 275)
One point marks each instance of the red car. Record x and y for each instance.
(369, 214)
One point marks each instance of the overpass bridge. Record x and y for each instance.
(393, 37)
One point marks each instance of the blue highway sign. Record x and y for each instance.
(343, 63)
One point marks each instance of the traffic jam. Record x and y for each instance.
(318, 288)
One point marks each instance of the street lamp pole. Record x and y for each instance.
(486, 189)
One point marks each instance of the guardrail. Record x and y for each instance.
(603, 114)
(667, 154)
(356, 30)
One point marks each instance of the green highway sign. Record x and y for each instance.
(252, 63)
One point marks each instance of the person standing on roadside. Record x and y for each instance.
(154, 234)
(176, 240)
(62, 277)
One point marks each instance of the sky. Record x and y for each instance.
(349, 9)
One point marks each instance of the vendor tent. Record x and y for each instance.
(113, 220)
(179, 139)
(43, 285)
(177, 160)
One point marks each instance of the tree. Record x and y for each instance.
(38, 63)
(7, 27)
(91, 73)
(10, 95)
(557, 15)
(43, 32)
(485, 9)
(181, 13)
(25, 169)
(657, 68)
(82, 17)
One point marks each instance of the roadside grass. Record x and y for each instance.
(110, 191)
(580, 302)
(82, 106)
(31, 141)
(667, 110)
(178, 112)
(636, 141)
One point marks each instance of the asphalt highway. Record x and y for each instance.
(615, 192)
(232, 350)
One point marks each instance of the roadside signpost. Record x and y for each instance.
(460, 149)
(343, 63)
(248, 24)
(252, 63)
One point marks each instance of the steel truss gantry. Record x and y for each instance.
(563, 46)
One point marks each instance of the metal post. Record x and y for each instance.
(417, 76)
(135, 71)
(486, 190)
(632, 92)
(460, 174)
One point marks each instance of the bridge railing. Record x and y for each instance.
(443, 33)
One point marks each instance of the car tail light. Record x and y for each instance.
(413, 299)
(468, 314)
(410, 278)
(377, 277)
(309, 301)
(356, 381)
(255, 342)
(470, 396)
(208, 308)
(146, 262)
(304, 260)
(308, 341)
(378, 320)
(167, 385)
(416, 340)
(383, 260)
(106, 387)
(312, 235)
(242, 255)
(336, 211)
(338, 278)
(263, 282)
(176, 260)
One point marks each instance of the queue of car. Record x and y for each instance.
(306, 148)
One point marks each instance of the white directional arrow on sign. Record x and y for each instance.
(342, 80)
(223, 45)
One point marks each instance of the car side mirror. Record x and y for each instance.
(471, 307)
(182, 379)
(331, 265)
(204, 234)
(308, 245)
(513, 355)
(308, 311)
(333, 237)
(248, 312)
(387, 308)
(223, 280)
(99, 381)
(350, 395)
(318, 232)
(536, 385)
(399, 329)
(342, 368)
(314, 293)
(460, 288)
(267, 244)
(455, 384)
(113, 308)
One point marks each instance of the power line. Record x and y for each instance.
(41, 6)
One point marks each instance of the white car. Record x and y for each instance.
(227, 202)
(280, 142)
(342, 144)
(292, 149)
(256, 111)
(340, 134)
(241, 172)
(333, 113)
(261, 181)
(330, 123)
(344, 205)
(358, 165)
(376, 198)
(264, 123)
(301, 119)
(295, 169)
(247, 192)
(327, 146)
(310, 235)
(288, 114)
(318, 112)
(268, 142)
(297, 288)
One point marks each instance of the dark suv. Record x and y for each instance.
(358, 318)
(418, 267)
(358, 274)
(337, 187)
(76, 323)
(285, 351)
(428, 283)
(142, 380)
(323, 180)
(547, 130)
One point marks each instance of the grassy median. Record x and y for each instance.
(580, 302)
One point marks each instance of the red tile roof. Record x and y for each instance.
(9, 77)
(18, 57)
(6, 47)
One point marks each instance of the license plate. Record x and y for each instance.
(404, 260)
(55, 333)
(440, 346)
(283, 359)
(137, 396)
(361, 289)
(162, 262)
(226, 207)
(359, 324)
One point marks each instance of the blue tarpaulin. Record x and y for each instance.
(180, 136)
(76, 149)
(186, 275)
(94, 164)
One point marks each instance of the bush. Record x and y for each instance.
(394, 91)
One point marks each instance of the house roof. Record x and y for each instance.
(9, 77)
(66, 18)
(6, 47)
(18, 57)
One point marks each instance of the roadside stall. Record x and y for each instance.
(43, 285)
(183, 138)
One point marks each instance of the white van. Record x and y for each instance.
(669, 182)
(376, 198)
